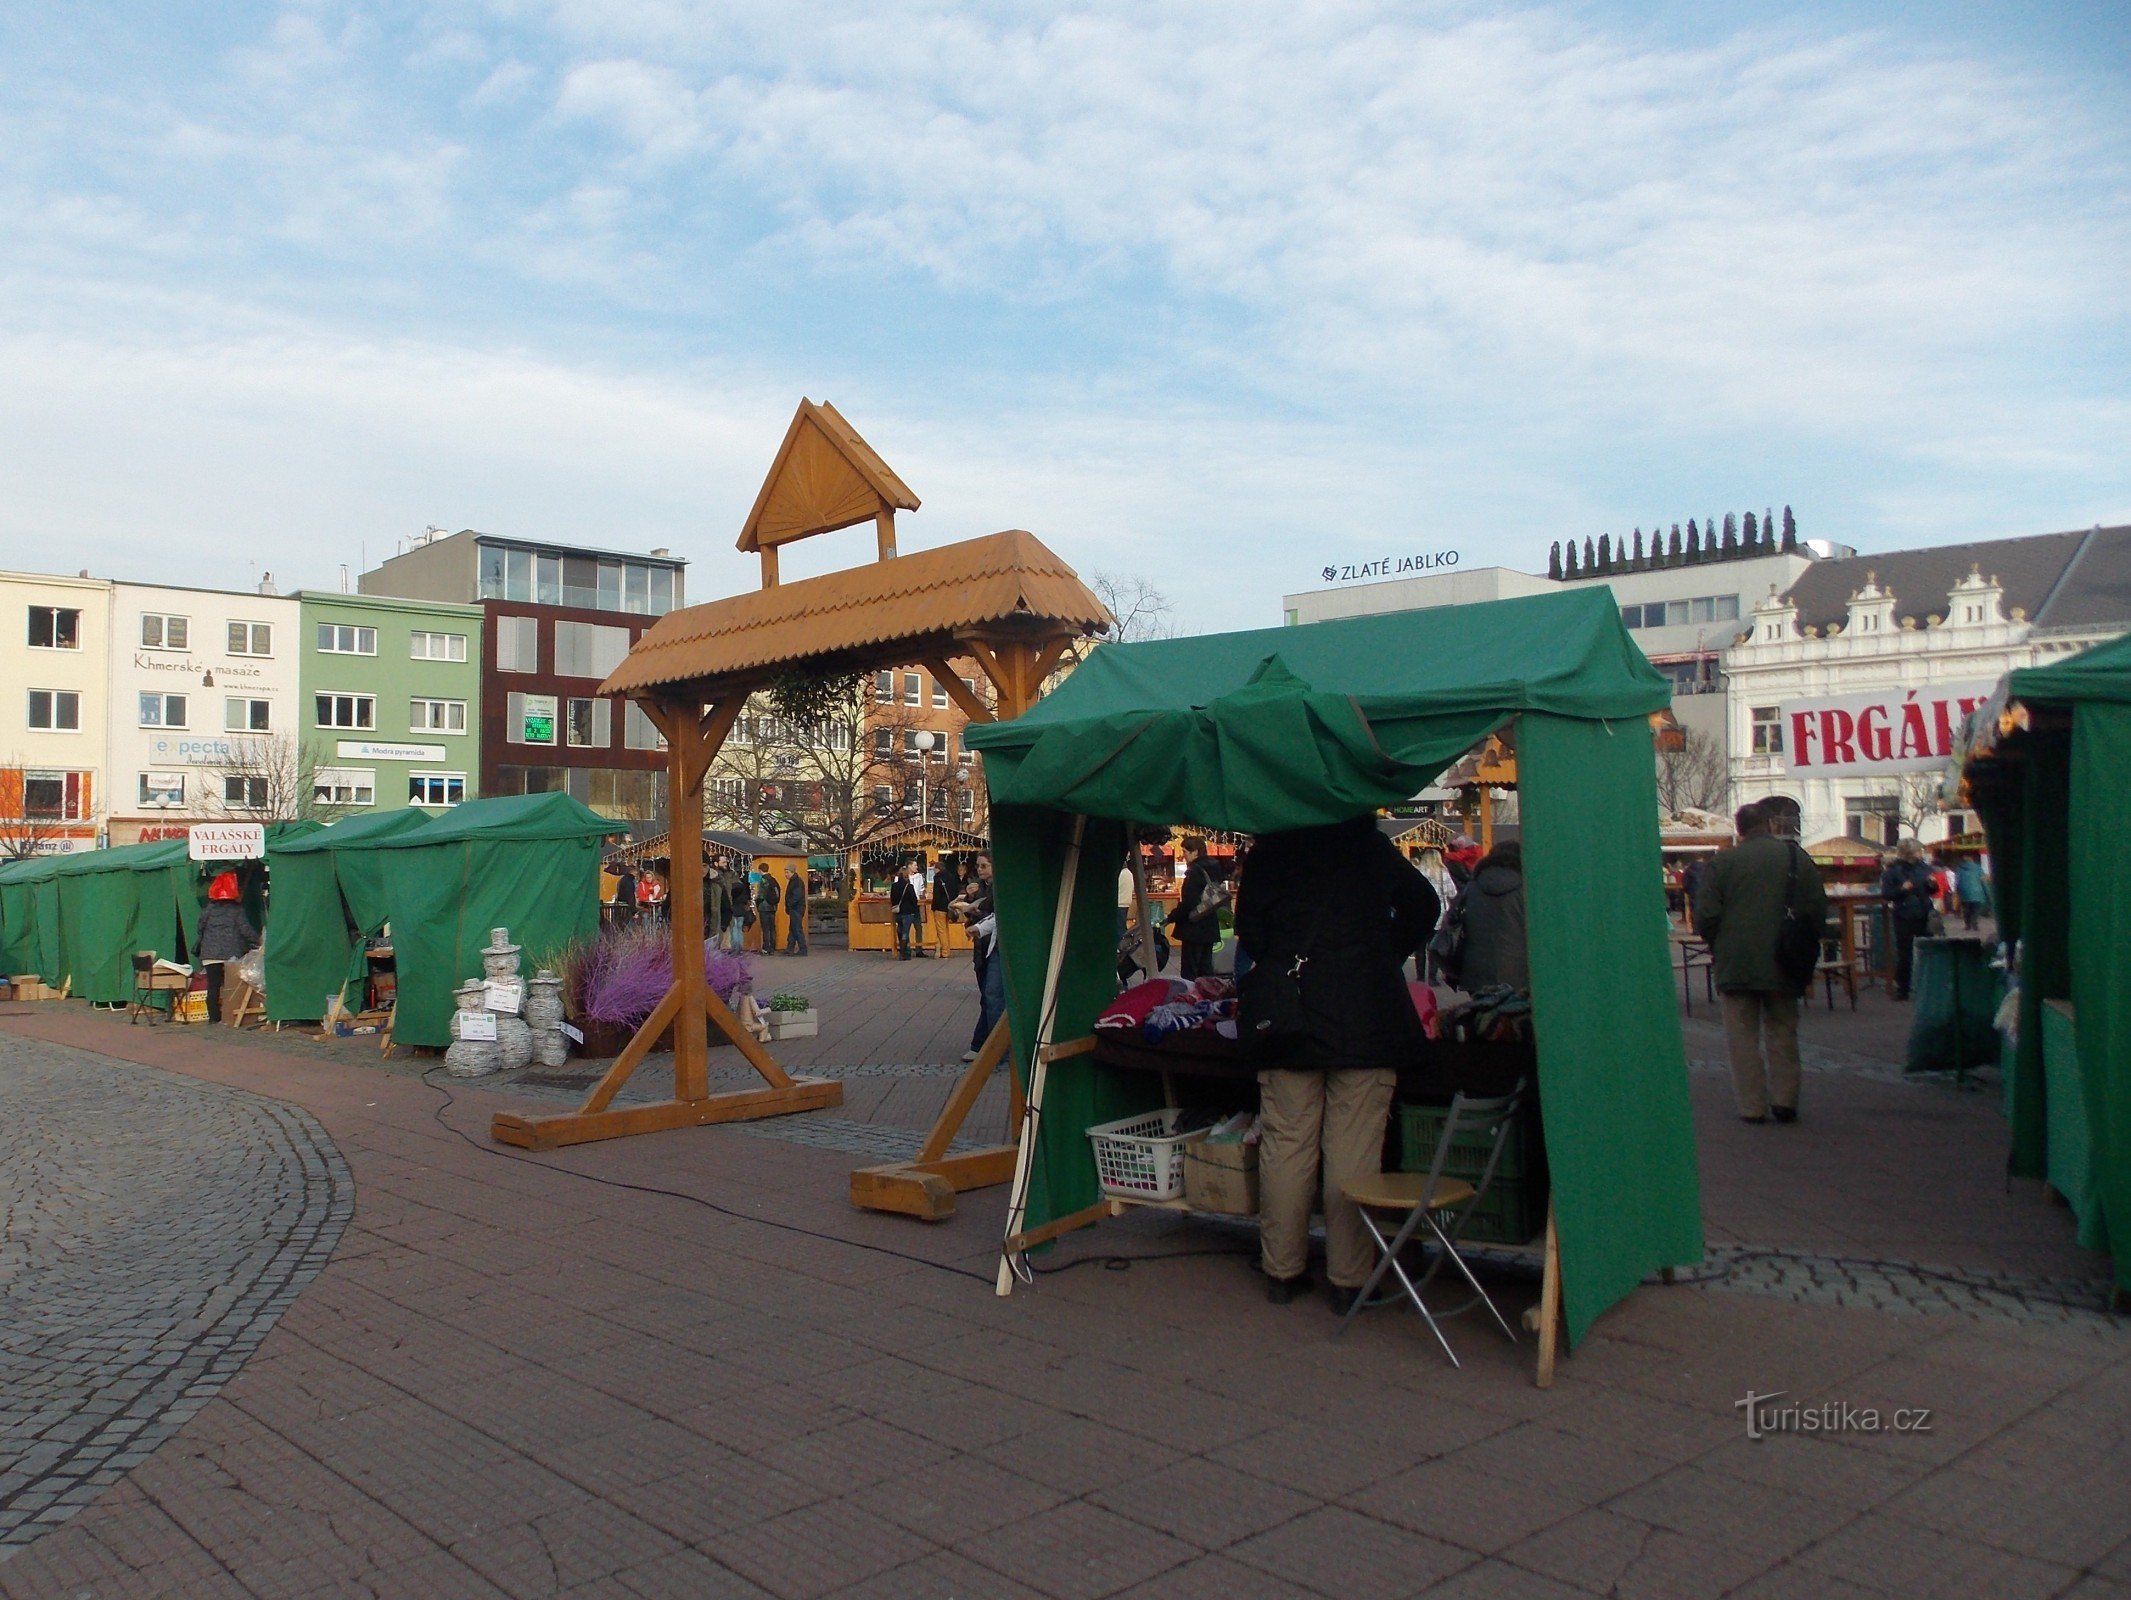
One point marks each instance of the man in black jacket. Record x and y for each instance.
(795, 912)
(1911, 888)
(906, 903)
(1342, 909)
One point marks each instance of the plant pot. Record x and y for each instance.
(793, 1024)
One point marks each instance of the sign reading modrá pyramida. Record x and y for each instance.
(1886, 730)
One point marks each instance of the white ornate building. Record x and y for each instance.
(1847, 689)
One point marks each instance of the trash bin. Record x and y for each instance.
(1956, 992)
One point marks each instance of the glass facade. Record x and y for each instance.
(592, 583)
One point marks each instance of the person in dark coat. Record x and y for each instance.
(225, 933)
(625, 896)
(1495, 950)
(1911, 888)
(1745, 895)
(767, 896)
(977, 908)
(945, 887)
(795, 912)
(1197, 917)
(906, 903)
(715, 901)
(1340, 908)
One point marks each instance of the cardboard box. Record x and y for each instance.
(29, 986)
(1221, 1178)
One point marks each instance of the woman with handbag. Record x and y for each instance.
(1332, 915)
(1197, 917)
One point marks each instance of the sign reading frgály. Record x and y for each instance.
(226, 841)
(1891, 730)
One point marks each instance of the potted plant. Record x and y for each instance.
(612, 982)
(791, 1016)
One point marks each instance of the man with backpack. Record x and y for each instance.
(1763, 910)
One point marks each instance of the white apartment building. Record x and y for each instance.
(1847, 693)
(204, 703)
(54, 649)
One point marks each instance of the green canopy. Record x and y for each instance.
(1294, 727)
(29, 916)
(99, 902)
(328, 897)
(529, 863)
(2056, 807)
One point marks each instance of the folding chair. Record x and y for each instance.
(1423, 1197)
(148, 983)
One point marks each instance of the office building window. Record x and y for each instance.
(347, 710)
(436, 788)
(1768, 730)
(1873, 818)
(344, 786)
(529, 719)
(436, 716)
(59, 710)
(255, 638)
(884, 688)
(939, 695)
(638, 730)
(246, 716)
(662, 591)
(55, 628)
(884, 744)
(517, 644)
(244, 791)
(344, 639)
(160, 631)
(162, 791)
(591, 723)
(588, 650)
(437, 646)
(164, 711)
(547, 580)
(913, 691)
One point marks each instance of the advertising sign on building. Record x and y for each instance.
(1886, 730)
(539, 720)
(227, 841)
(377, 750)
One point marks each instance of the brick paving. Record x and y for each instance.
(525, 1375)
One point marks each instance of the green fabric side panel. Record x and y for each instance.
(307, 943)
(1029, 848)
(2101, 963)
(155, 913)
(1999, 805)
(2045, 945)
(442, 899)
(2071, 1137)
(96, 922)
(51, 958)
(18, 928)
(1612, 1065)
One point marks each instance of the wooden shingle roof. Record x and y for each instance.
(887, 613)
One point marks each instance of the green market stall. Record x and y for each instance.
(99, 907)
(1302, 726)
(329, 897)
(2049, 772)
(527, 862)
(29, 917)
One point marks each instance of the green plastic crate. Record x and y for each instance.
(1421, 1130)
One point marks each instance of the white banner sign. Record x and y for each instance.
(1893, 730)
(226, 841)
(371, 750)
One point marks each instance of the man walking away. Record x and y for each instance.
(1970, 890)
(766, 897)
(1910, 888)
(1740, 911)
(795, 912)
(714, 903)
(906, 903)
(944, 890)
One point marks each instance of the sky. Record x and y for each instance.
(1214, 295)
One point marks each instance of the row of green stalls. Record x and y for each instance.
(2048, 768)
(529, 863)
(78, 920)
(1305, 726)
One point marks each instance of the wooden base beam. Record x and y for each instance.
(1058, 1227)
(927, 1189)
(585, 1127)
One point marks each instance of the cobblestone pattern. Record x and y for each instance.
(1906, 1288)
(152, 1229)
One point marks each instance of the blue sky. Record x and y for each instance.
(1216, 294)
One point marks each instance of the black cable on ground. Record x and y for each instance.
(451, 1100)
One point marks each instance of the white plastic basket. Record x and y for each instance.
(1142, 1158)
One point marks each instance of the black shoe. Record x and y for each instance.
(1342, 1299)
(1282, 1290)
(1754, 1119)
(1784, 1113)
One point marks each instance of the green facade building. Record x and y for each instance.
(390, 700)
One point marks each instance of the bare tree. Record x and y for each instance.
(1917, 799)
(1142, 611)
(30, 824)
(272, 778)
(1692, 772)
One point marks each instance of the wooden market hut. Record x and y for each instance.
(782, 856)
(2050, 775)
(1301, 726)
(871, 924)
(1003, 601)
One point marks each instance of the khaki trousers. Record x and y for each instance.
(1750, 1019)
(1312, 1121)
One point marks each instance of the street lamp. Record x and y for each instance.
(922, 741)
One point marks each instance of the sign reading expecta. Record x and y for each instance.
(226, 841)
(537, 725)
(1891, 730)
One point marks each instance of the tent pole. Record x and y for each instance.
(1139, 906)
(1039, 1071)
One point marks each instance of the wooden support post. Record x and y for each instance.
(884, 532)
(1487, 819)
(1549, 1304)
(688, 1006)
(769, 566)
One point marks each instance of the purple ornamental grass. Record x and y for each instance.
(619, 977)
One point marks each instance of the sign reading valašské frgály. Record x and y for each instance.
(1886, 730)
(226, 841)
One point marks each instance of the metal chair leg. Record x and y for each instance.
(1450, 1249)
(1361, 1296)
